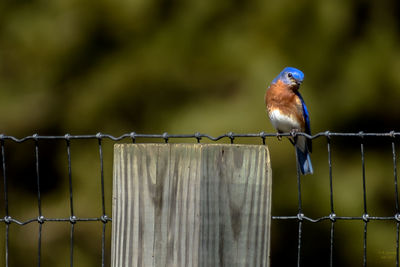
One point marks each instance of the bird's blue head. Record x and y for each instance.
(290, 76)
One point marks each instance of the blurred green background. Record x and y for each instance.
(116, 66)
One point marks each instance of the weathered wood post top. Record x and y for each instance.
(191, 205)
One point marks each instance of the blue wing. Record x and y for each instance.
(306, 119)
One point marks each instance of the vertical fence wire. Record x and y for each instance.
(396, 197)
(103, 206)
(72, 215)
(40, 216)
(365, 216)
(396, 192)
(6, 218)
(300, 209)
(332, 215)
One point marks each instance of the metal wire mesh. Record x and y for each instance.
(104, 219)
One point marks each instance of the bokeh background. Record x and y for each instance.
(153, 66)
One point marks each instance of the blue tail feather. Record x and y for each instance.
(304, 161)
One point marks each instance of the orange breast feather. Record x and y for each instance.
(280, 96)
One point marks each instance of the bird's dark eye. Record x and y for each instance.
(290, 75)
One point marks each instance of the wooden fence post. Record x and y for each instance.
(191, 205)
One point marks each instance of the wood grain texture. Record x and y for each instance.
(191, 205)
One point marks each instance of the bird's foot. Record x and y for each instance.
(294, 132)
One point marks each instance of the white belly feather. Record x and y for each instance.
(286, 124)
(282, 122)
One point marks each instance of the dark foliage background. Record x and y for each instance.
(151, 66)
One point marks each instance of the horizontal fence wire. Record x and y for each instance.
(198, 137)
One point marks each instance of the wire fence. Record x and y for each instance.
(105, 219)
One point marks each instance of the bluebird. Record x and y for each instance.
(288, 113)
